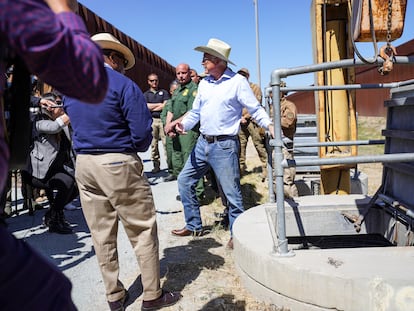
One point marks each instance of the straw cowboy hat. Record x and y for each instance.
(109, 42)
(216, 48)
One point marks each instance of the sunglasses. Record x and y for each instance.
(208, 59)
(122, 58)
(153, 80)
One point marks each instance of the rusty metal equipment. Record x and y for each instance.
(382, 18)
(333, 21)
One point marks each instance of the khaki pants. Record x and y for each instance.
(252, 130)
(157, 135)
(289, 188)
(112, 187)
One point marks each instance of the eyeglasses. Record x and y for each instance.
(122, 58)
(153, 80)
(208, 59)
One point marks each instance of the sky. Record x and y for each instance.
(172, 29)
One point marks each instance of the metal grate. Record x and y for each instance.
(339, 241)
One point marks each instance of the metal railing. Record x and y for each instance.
(281, 244)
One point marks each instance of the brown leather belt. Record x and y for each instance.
(212, 139)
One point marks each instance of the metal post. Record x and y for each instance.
(256, 4)
(269, 167)
(282, 242)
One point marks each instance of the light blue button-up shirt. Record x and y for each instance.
(219, 103)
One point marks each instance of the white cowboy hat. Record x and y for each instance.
(108, 41)
(216, 48)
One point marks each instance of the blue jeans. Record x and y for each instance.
(223, 157)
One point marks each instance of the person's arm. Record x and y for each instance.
(249, 101)
(160, 105)
(169, 127)
(192, 117)
(156, 106)
(138, 117)
(56, 47)
(49, 126)
(177, 127)
(63, 120)
(245, 116)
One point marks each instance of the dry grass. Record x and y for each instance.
(369, 128)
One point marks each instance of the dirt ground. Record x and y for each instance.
(207, 276)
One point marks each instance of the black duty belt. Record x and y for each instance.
(287, 142)
(212, 139)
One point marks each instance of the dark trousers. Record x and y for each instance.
(60, 187)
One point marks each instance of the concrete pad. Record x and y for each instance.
(322, 279)
(321, 214)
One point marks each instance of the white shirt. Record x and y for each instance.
(218, 105)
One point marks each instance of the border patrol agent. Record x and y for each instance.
(181, 103)
(249, 128)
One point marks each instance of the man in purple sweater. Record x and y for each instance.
(54, 44)
(110, 177)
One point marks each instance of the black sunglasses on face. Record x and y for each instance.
(121, 57)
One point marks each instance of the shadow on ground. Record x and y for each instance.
(251, 197)
(64, 250)
(224, 302)
(181, 265)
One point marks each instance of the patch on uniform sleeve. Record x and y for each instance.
(194, 93)
(288, 116)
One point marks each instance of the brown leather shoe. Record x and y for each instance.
(185, 232)
(166, 299)
(119, 304)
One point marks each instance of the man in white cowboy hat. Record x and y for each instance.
(218, 107)
(110, 177)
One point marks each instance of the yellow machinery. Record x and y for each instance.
(336, 25)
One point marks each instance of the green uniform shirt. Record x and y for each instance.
(182, 99)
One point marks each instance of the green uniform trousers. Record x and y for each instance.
(182, 147)
(169, 152)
